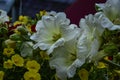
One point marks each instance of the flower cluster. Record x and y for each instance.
(49, 47)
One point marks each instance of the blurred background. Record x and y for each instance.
(15, 8)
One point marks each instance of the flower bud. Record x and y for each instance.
(111, 49)
(22, 30)
(3, 30)
(10, 43)
(15, 37)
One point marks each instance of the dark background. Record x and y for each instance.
(14, 8)
(31, 7)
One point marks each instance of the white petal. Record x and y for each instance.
(94, 48)
(42, 46)
(72, 69)
(59, 42)
(3, 16)
(58, 62)
(70, 32)
(111, 9)
(39, 25)
(83, 46)
(49, 24)
(62, 62)
(105, 22)
(89, 42)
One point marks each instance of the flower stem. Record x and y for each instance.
(111, 63)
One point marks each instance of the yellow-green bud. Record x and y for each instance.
(22, 30)
(3, 30)
(10, 43)
(15, 37)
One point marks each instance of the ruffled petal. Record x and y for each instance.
(105, 22)
(89, 41)
(70, 32)
(59, 42)
(53, 31)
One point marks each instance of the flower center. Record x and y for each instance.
(16, 62)
(32, 67)
(31, 78)
(72, 56)
(8, 51)
(55, 37)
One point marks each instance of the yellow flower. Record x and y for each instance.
(28, 26)
(44, 55)
(42, 13)
(32, 76)
(83, 74)
(23, 19)
(16, 23)
(33, 66)
(1, 75)
(18, 60)
(8, 64)
(101, 65)
(16, 31)
(8, 51)
(106, 58)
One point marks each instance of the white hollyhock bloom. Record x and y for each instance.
(110, 14)
(53, 31)
(3, 16)
(66, 59)
(89, 42)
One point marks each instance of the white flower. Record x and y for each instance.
(3, 16)
(66, 59)
(89, 42)
(110, 14)
(53, 31)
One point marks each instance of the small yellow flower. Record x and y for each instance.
(28, 26)
(42, 13)
(101, 65)
(16, 31)
(83, 74)
(44, 55)
(16, 23)
(8, 64)
(18, 60)
(33, 66)
(8, 51)
(1, 75)
(32, 76)
(106, 58)
(23, 19)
